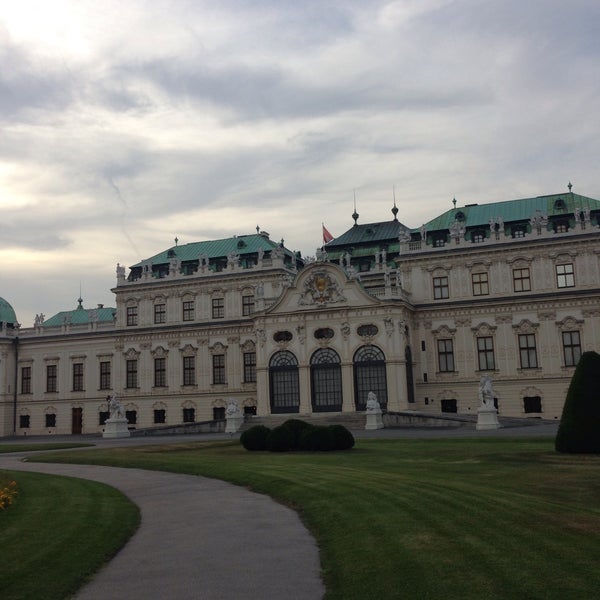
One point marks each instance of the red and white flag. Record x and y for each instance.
(327, 237)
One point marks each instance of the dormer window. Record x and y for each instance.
(560, 205)
(460, 216)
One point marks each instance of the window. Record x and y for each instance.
(218, 368)
(532, 404)
(571, 347)
(189, 415)
(105, 375)
(249, 367)
(449, 405)
(218, 308)
(519, 231)
(247, 305)
(561, 226)
(131, 416)
(283, 336)
(485, 353)
(131, 380)
(218, 413)
(284, 385)
(521, 280)
(439, 242)
(50, 420)
(440, 287)
(160, 372)
(480, 284)
(369, 330)
(478, 237)
(103, 415)
(24, 421)
(369, 376)
(189, 370)
(160, 415)
(78, 377)
(188, 310)
(25, 380)
(160, 313)
(51, 378)
(326, 381)
(527, 351)
(445, 356)
(132, 315)
(565, 276)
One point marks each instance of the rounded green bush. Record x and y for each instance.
(317, 438)
(281, 439)
(255, 438)
(342, 438)
(297, 426)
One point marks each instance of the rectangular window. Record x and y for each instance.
(249, 367)
(565, 276)
(189, 370)
(449, 405)
(527, 351)
(132, 315)
(131, 416)
(521, 280)
(78, 377)
(532, 404)
(25, 380)
(247, 305)
(218, 412)
(131, 380)
(445, 355)
(218, 368)
(440, 288)
(105, 375)
(189, 415)
(24, 421)
(480, 284)
(571, 347)
(160, 415)
(188, 310)
(103, 415)
(218, 308)
(160, 372)
(50, 420)
(51, 378)
(485, 353)
(160, 313)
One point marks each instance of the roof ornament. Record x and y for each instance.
(454, 201)
(258, 229)
(570, 186)
(395, 209)
(80, 299)
(176, 240)
(355, 215)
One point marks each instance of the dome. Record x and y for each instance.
(7, 314)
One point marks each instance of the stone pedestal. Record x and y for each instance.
(233, 423)
(374, 419)
(115, 428)
(487, 418)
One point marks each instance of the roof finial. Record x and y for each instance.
(80, 299)
(570, 186)
(258, 229)
(395, 209)
(454, 201)
(355, 215)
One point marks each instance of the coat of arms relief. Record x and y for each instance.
(321, 288)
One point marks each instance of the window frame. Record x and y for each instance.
(480, 283)
(485, 353)
(132, 316)
(249, 360)
(105, 375)
(247, 305)
(131, 373)
(521, 279)
(218, 308)
(189, 370)
(566, 279)
(26, 380)
(160, 371)
(528, 358)
(188, 308)
(571, 348)
(441, 287)
(218, 369)
(160, 313)
(445, 348)
(52, 378)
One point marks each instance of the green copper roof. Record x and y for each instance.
(513, 210)
(82, 316)
(243, 244)
(369, 233)
(7, 314)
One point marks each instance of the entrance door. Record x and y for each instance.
(77, 420)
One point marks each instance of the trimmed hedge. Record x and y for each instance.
(255, 438)
(297, 427)
(317, 438)
(579, 429)
(342, 437)
(281, 439)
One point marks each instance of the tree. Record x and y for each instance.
(579, 429)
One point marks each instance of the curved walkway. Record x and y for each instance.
(199, 538)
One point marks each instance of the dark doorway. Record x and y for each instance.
(77, 420)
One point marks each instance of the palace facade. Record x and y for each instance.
(510, 290)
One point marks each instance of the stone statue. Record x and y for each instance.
(233, 416)
(374, 412)
(232, 409)
(372, 402)
(486, 392)
(120, 271)
(115, 408)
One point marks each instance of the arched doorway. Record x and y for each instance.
(326, 381)
(369, 376)
(284, 386)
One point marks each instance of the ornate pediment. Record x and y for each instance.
(321, 288)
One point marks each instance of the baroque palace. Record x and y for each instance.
(510, 290)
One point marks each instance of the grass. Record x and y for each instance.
(418, 519)
(58, 533)
(8, 448)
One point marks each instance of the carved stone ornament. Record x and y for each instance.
(321, 288)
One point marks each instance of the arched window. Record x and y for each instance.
(326, 381)
(410, 385)
(284, 386)
(369, 376)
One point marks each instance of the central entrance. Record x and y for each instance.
(326, 381)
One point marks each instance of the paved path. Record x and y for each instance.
(199, 539)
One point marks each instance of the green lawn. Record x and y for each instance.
(58, 533)
(417, 519)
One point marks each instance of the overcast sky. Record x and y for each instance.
(125, 124)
